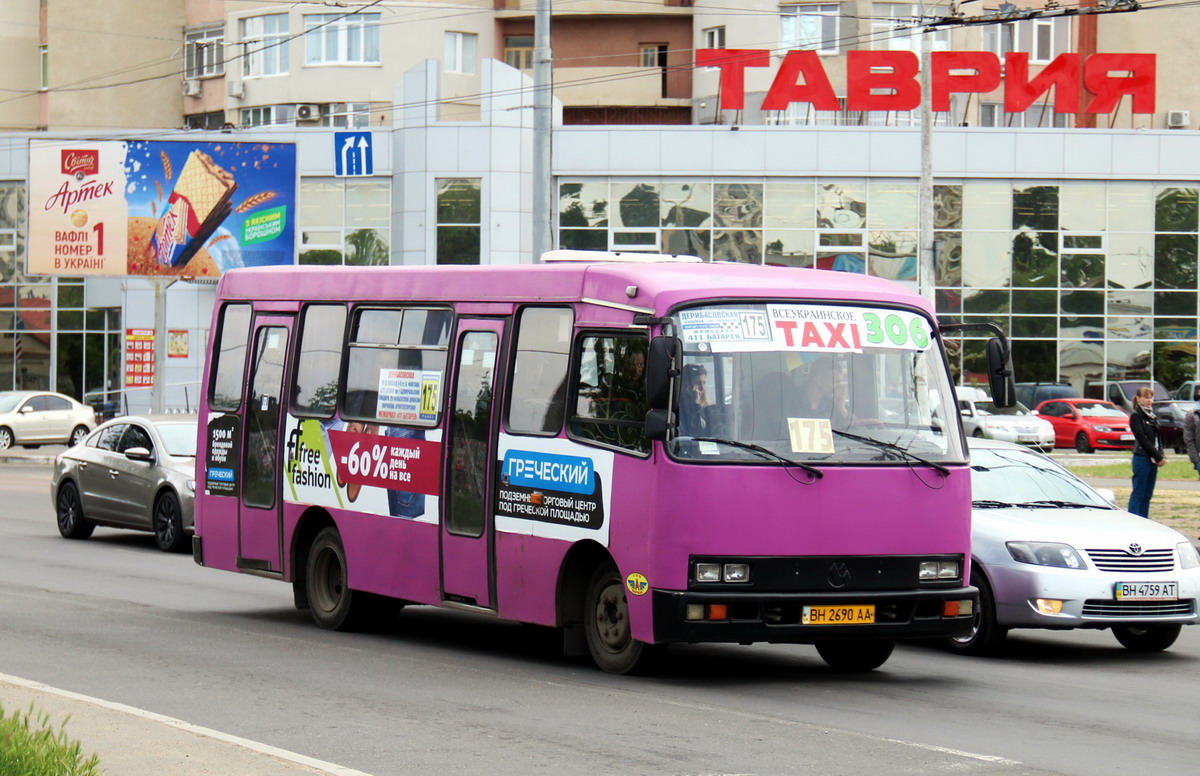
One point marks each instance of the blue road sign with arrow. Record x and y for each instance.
(352, 154)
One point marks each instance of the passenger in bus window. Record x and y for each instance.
(695, 410)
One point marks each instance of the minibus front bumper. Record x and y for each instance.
(747, 617)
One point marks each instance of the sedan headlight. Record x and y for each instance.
(1045, 554)
(1105, 429)
(1189, 556)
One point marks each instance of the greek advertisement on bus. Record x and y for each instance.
(141, 207)
(553, 488)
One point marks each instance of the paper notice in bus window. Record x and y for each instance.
(408, 395)
(810, 435)
(720, 325)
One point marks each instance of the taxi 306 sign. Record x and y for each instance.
(845, 329)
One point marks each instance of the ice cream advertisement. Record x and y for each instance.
(143, 207)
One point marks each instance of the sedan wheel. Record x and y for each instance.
(6, 438)
(168, 524)
(77, 435)
(1082, 445)
(69, 511)
(986, 634)
(1150, 638)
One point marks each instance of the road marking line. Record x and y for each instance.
(282, 754)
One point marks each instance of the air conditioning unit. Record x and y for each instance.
(235, 89)
(1178, 119)
(191, 88)
(308, 112)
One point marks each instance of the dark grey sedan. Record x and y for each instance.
(131, 472)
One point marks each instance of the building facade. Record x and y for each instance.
(1082, 244)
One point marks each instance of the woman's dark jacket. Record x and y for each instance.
(1147, 441)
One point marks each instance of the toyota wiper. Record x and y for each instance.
(984, 503)
(897, 448)
(764, 452)
(1055, 503)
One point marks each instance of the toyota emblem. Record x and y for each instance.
(1135, 548)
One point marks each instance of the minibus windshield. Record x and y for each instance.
(814, 383)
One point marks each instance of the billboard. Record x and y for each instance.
(144, 207)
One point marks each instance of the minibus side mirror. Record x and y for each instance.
(1000, 373)
(658, 424)
(662, 371)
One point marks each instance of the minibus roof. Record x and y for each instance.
(653, 286)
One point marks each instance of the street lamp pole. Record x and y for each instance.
(925, 246)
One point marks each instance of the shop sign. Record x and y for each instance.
(888, 80)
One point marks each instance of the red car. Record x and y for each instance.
(1087, 424)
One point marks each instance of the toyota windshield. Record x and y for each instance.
(813, 383)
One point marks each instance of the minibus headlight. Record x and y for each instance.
(1189, 556)
(191, 485)
(736, 572)
(708, 572)
(938, 569)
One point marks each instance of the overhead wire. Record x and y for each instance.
(904, 27)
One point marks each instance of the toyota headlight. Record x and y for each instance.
(1046, 554)
(1189, 556)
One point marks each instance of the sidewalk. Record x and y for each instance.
(132, 742)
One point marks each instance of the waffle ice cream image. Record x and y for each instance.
(197, 205)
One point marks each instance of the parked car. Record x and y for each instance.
(1048, 551)
(1033, 394)
(1120, 392)
(1087, 424)
(1170, 423)
(34, 418)
(1187, 391)
(131, 472)
(982, 418)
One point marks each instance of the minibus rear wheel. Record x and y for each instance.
(606, 625)
(333, 604)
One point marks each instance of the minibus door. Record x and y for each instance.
(467, 516)
(260, 517)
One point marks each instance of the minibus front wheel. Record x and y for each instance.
(606, 624)
(852, 656)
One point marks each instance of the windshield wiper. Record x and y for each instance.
(889, 446)
(814, 471)
(984, 503)
(1047, 502)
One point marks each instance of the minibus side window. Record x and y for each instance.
(396, 365)
(538, 398)
(229, 371)
(322, 333)
(610, 397)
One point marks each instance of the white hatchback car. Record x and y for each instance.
(1048, 551)
(982, 418)
(33, 418)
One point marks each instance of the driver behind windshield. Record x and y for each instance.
(821, 393)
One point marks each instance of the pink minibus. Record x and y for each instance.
(637, 450)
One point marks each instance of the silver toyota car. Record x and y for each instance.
(1048, 551)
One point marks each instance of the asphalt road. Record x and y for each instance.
(446, 692)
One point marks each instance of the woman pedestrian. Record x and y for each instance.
(1147, 451)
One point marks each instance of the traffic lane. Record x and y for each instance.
(1014, 705)
(442, 670)
(464, 692)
